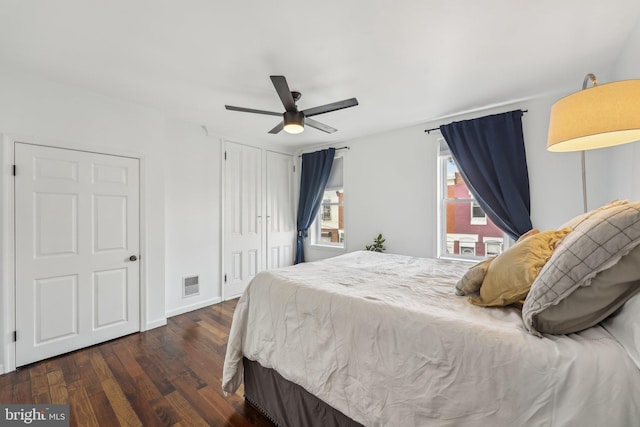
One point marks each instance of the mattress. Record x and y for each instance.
(384, 339)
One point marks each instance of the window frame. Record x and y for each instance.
(315, 232)
(444, 246)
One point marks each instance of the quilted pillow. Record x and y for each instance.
(596, 244)
(472, 280)
(574, 222)
(511, 273)
(589, 305)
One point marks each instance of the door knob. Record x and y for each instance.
(133, 258)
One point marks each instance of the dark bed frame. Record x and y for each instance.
(287, 404)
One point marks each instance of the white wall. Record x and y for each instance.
(390, 179)
(192, 215)
(390, 183)
(44, 111)
(555, 179)
(389, 189)
(181, 182)
(624, 166)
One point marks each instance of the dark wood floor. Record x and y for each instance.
(169, 376)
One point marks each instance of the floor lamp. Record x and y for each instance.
(596, 117)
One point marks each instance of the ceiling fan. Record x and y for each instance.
(293, 121)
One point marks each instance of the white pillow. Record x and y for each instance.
(625, 327)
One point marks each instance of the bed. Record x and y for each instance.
(383, 340)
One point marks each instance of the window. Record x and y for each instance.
(326, 210)
(465, 230)
(478, 217)
(328, 227)
(492, 247)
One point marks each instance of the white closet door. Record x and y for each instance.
(77, 243)
(281, 230)
(242, 217)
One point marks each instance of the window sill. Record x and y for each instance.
(469, 260)
(327, 247)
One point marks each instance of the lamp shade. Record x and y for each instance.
(601, 116)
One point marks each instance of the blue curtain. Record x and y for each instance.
(316, 168)
(490, 155)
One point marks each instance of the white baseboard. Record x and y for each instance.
(2, 369)
(154, 324)
(193, 307)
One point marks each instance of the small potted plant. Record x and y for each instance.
(378, 244)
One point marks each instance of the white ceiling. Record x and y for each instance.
(407, 62)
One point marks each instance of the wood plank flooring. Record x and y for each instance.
(169, 376)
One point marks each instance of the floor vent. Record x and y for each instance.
(191, 286)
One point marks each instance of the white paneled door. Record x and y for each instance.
(77, 248)
(242, 217)
(281, 230)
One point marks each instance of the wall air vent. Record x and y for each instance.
(190, 286)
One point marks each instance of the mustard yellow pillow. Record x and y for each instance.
(527, 234)
(510, 275)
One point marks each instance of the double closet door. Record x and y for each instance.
(258, 214)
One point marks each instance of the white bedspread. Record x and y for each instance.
(385, 340)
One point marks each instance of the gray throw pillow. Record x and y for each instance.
(472, 280)
(596, 244)
(589, 305)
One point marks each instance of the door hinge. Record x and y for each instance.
(15, 336)
(225, 278)
(14, 170)
(294, 168)
(225, 155)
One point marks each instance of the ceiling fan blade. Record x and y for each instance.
(280, 83)
(251, 110)
(278, 128)
(352, 102)
(320, 126)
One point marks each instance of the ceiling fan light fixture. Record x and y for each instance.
(293, 122)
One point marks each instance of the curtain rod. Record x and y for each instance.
(431, 130)
(339, 148)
